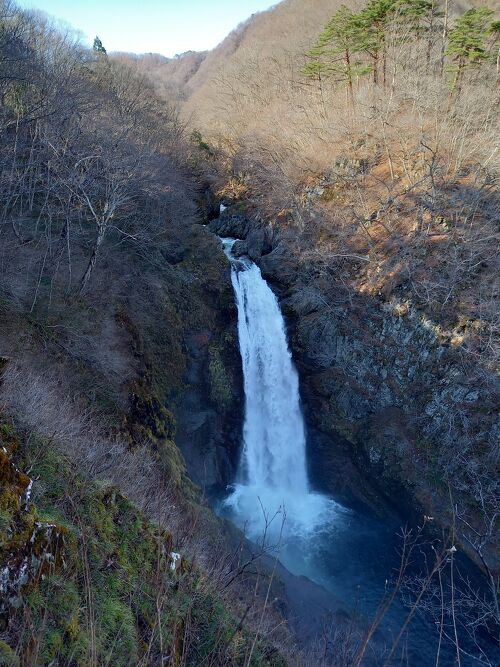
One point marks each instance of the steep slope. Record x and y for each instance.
(373, 209)
(274, 38)
(169, 76)
(111, 291)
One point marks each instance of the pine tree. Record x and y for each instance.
(422, 17)
(336, 51)
(318, 62)
(467, 42)
(417, 13)
(98, 47)
(373, 21)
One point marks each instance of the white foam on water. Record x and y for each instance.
(272, 481)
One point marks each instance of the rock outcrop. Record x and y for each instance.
(398, 420)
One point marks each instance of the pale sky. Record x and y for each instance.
(160, 26)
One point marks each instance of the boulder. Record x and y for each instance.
(233, 226)
(255, 244)
(279, 266)
(240, 248)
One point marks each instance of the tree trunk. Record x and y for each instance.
(101, 232)
(349, 77)
(375, 69)
(458, 78)
(445, 34)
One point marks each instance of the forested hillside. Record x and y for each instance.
(108, 553)
(355, 149)
(169, 76)
(361, 154)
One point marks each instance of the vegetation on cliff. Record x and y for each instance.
(357, 147)
(368, 160)
(101, 284)
(88, 579)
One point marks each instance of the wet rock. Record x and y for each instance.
(240, 248)
(208, 412)
(256, 244)
(230, 225)
(279, 266)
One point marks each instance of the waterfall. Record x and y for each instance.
(347, 553)
(272, 481)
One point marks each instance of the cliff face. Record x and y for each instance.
(379, 377)
(114, 420)
(209, 406)
(399, 420)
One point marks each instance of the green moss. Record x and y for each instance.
(7, 431)
(201, 144)
(7, 656)
(5, 521)
(149, 414)
(150, 421)
(55, 605)
(220, 382)
(16, 524)
(100, 579)
(239, 207)
(117, 631)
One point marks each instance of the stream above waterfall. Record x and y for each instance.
(352, 556)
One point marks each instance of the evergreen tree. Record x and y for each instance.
(98, 47)
(318, 62)
(373, 21)
(422, 18)
(467, 42)
(336, 51)
(411, 11)
(417, 14)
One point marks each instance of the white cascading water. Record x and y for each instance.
(322, 540)
(273, 480)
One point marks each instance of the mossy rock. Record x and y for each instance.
(149, 420)
(148, 412)
(7, 656)
(220, 381)
(16, 522)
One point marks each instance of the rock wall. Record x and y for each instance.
(207, 396)
(399, 421)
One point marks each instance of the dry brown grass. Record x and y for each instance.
(409, 175)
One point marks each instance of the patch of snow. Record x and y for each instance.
(27, 495)
(175, 557)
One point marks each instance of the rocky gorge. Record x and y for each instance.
(394, 412)
(249, 340)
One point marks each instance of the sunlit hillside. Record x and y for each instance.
(250, 340)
